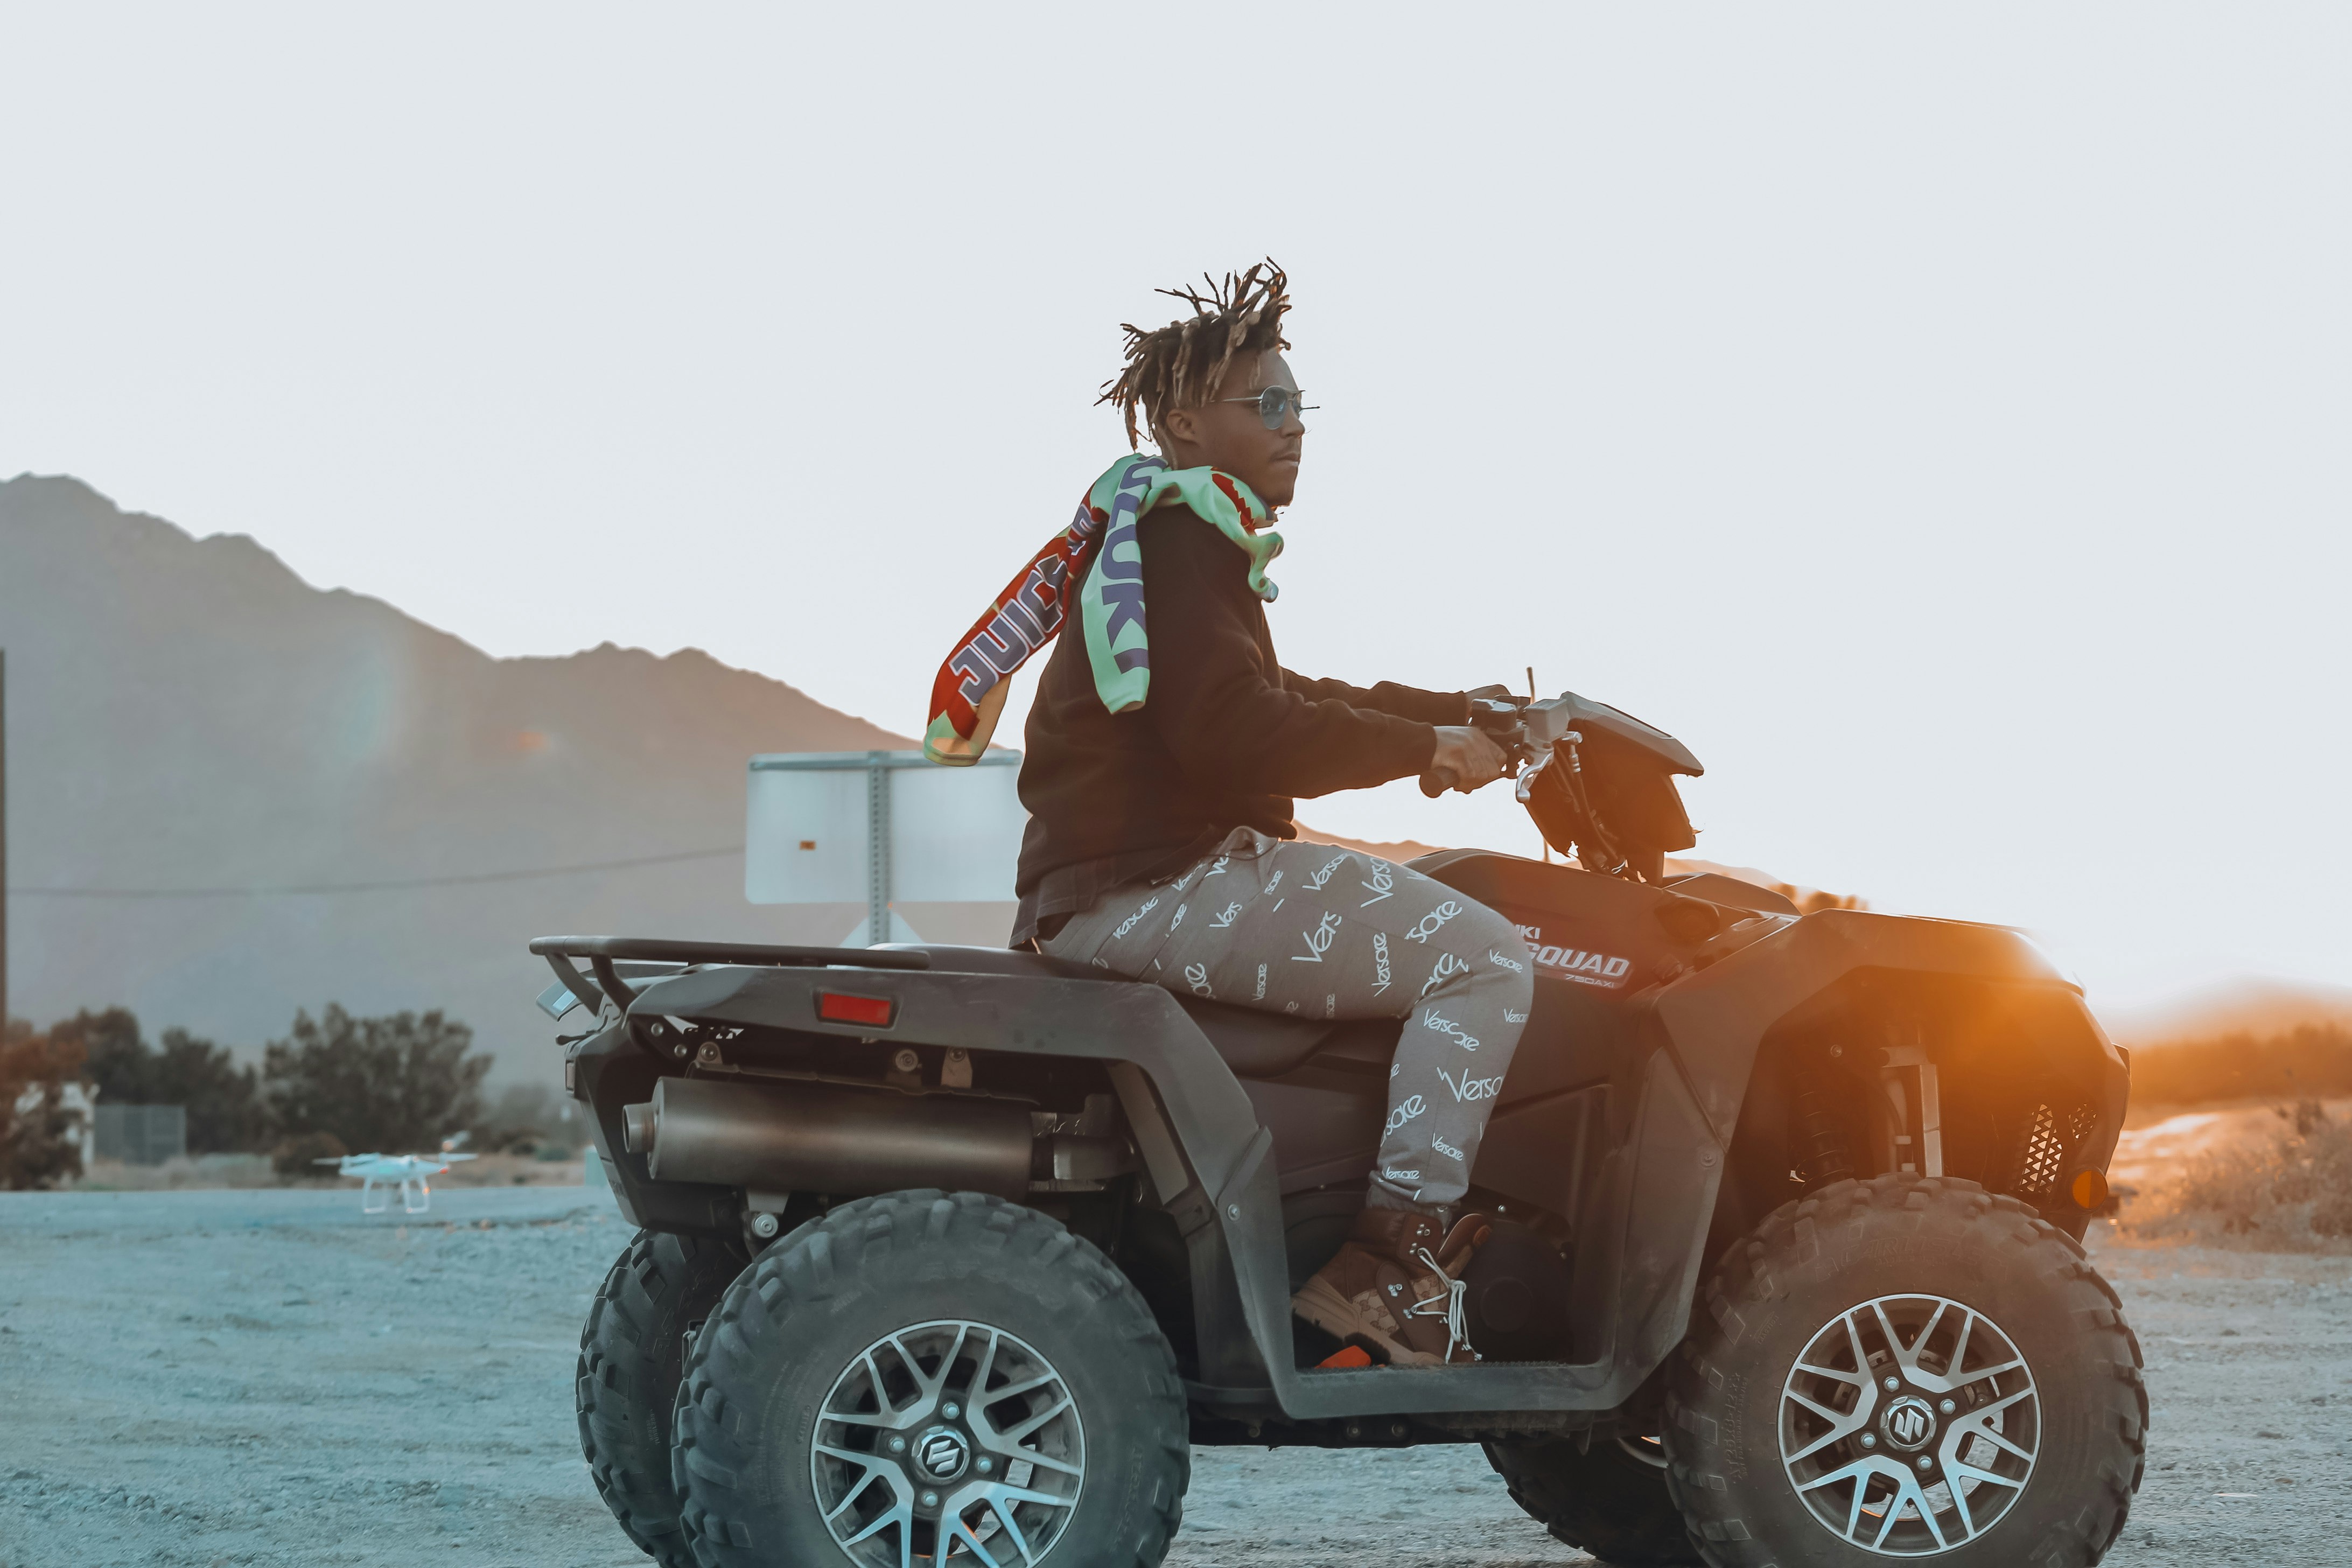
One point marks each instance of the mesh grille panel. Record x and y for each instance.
(2041, 1145)
(2044, 1152)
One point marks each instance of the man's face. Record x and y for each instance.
(1233, 437)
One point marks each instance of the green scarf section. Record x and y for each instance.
(1111, 601)
(1100, 548)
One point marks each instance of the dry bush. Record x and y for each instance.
(222, 1100)
(394, 1085)
(2311, 1060)
(211, 1173)
(40, 1144)
(2289, 1192)
(530, 1119)
(302, 1156)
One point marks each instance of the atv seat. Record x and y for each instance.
(1253, 1043)
(1270, 1045)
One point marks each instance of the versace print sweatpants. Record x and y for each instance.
(1325, 933)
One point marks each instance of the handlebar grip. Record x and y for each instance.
(1436, 782)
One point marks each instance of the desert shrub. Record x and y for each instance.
(39, 1137)
(2311, 1059)
(114, 1058)
(299, 1156)
(222, 1100)
(2292, 1191)
(528, 1118)
(393, 1085)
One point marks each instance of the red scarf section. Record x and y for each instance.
(1024, 619)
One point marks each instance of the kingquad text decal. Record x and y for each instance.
(1583, 966)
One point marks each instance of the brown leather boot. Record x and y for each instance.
(1395, 1283)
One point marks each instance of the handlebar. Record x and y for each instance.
(1505, 720)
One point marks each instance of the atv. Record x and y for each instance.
(949, 1255)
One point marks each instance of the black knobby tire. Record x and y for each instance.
(631, 1354)
(1857, 1242)
(799, 1319)
(1600, 1499)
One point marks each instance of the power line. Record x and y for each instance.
(380, 887)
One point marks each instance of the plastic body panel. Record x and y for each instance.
(1733, 892)
(1599, 934)
(1645, 1077)
(1230, 1206)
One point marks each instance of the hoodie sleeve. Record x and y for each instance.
(1388, 696)
(1229, 713)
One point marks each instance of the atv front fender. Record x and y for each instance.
(1983, 999)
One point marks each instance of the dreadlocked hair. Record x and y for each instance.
(1181, 364)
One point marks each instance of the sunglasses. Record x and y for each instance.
(1275, 404)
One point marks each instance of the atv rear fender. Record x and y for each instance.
(1208, 1161)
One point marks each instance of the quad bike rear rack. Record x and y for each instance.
(604, 951)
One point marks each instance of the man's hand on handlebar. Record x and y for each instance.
(1464, 758)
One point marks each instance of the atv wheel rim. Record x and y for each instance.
(948, 1443)
(1909, 1424)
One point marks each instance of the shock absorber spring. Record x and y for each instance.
(1821, 1139)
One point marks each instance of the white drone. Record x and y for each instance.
(411, 1171)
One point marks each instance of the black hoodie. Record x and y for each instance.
(1226, 738)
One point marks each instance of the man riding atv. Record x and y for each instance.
(954, 1254)
(1161, 843)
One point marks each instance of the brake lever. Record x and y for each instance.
(1506, 728)
(1503, 718)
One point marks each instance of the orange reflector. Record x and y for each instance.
(2089, 1189)
(1345, 1357)
(840, 1008)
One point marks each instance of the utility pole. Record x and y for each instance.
(3, 844)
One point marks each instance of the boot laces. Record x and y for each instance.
(1450, 1292)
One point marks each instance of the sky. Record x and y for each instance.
(1936, 417)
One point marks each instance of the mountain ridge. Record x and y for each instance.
(190, 713)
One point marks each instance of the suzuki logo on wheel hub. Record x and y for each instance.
(942, 1453)
(1909, 1423)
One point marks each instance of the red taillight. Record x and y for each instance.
(872, 1012)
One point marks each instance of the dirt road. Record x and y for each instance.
(270, 1377)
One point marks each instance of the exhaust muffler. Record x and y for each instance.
(799, 1136)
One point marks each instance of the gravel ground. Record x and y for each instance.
(270, 1377)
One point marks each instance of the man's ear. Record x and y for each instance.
(1179, 425)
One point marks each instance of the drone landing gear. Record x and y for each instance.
(415, 1195)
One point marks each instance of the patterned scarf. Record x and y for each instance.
(971, 688)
